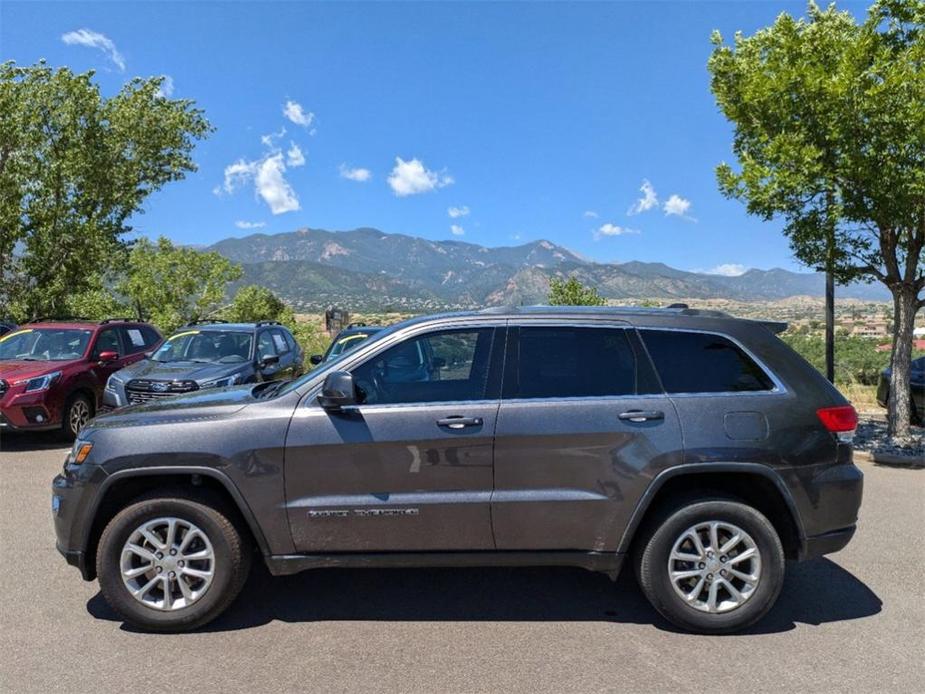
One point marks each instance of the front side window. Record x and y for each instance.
(572, 362)
(444, 366)
(690, 362)
(44, 344)
(108, 341)
(206, 346)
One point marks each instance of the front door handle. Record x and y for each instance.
(458, 422)
(641, 415)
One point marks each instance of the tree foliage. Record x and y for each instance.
(74, 167)
(829, 120)
(172, 285)
(571, 292)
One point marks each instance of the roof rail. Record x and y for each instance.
(61, 319)
(206, 321)
(117, 320)
(678, 305)
(267, 322)
(359, 324)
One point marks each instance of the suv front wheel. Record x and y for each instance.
(171, 563)
(713, 566)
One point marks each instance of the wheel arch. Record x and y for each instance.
(758, 485)
(122, 487)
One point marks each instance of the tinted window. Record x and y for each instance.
(289, 339)
(108, 341)
(136, 339)
(436, 367)
(280, 341)
(151, 336)
(703, 363)
(565, 362)
(265, 344)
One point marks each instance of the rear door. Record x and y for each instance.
(410, 469)
(581, 429)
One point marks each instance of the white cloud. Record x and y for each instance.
(678, 207)
(412, 177)
(269, 140)
(165, 91)
(457, 230)
(457, 212)
(648, 200)
(269, 181)
(293, 111)
(358, 174)
(609, 229)
(590, 214)
(294, 156)
(241, 224)
(94, 39)
(728, 270)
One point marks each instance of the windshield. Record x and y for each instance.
(44, 344)
(344, 344)
(206, 346)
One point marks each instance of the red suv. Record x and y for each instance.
(52, 373)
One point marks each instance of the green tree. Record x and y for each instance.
(829, 120)
(254, 303)
(172, 285)
(571, 292)
(74, 167)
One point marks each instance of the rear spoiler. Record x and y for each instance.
(776, 327)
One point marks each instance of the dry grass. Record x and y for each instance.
(864, 398)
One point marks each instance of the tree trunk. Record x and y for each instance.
(830, 326)
(904, 305)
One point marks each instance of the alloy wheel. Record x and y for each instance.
(714, 566)
(78, 415)
(167, 563)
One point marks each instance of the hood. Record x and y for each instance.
(201, 404)
(180, 370)
(18, 369)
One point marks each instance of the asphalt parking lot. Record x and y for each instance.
(854, 622)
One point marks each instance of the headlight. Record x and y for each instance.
(112, 383)
(33, 385)
(221, 382)
(79, 452)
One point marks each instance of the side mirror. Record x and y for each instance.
(268, 360)
(338, 391)
(316, 359)
(108, 357)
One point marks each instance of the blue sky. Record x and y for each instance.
(525, 121)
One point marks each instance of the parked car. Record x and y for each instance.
(52, 373)
(347, 339)
(916, 386)
(5, 327)
(208, 354)
(699, 448)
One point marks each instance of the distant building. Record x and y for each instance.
(917, 346)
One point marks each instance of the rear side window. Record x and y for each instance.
(703, 363)
(572, 362)
(280, 341)
(138, 338)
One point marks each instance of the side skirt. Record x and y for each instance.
(286, 564)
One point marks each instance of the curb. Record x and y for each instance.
(889, 459)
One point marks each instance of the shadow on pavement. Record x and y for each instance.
(15, 441)
(815, 592)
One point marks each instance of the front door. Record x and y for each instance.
(410, 469)
(581, 427)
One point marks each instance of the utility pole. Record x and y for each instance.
(830, 325)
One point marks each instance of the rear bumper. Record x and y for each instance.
(826, 543)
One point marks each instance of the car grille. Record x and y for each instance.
(144, 390)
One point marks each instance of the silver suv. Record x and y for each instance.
(697, 447)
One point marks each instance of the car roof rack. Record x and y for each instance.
(359, 324)
(117, 320)
(206, 321)
(61, 319)
(267, 322)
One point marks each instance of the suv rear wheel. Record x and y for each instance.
(171, 563)
(713, 566)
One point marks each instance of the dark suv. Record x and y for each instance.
(697, 446)
(52, 372)
(208, 354)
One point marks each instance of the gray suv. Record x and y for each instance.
(697, 447)
(207, 354)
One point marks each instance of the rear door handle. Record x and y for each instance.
(458, 422)
(641, 415)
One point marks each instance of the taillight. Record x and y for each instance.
(841, 420)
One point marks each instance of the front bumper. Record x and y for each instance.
(28, 411)
(73, 498)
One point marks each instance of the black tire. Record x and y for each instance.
(231, 563)
(655, 547)
(75, 401)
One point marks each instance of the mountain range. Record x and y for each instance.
(367, 269)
